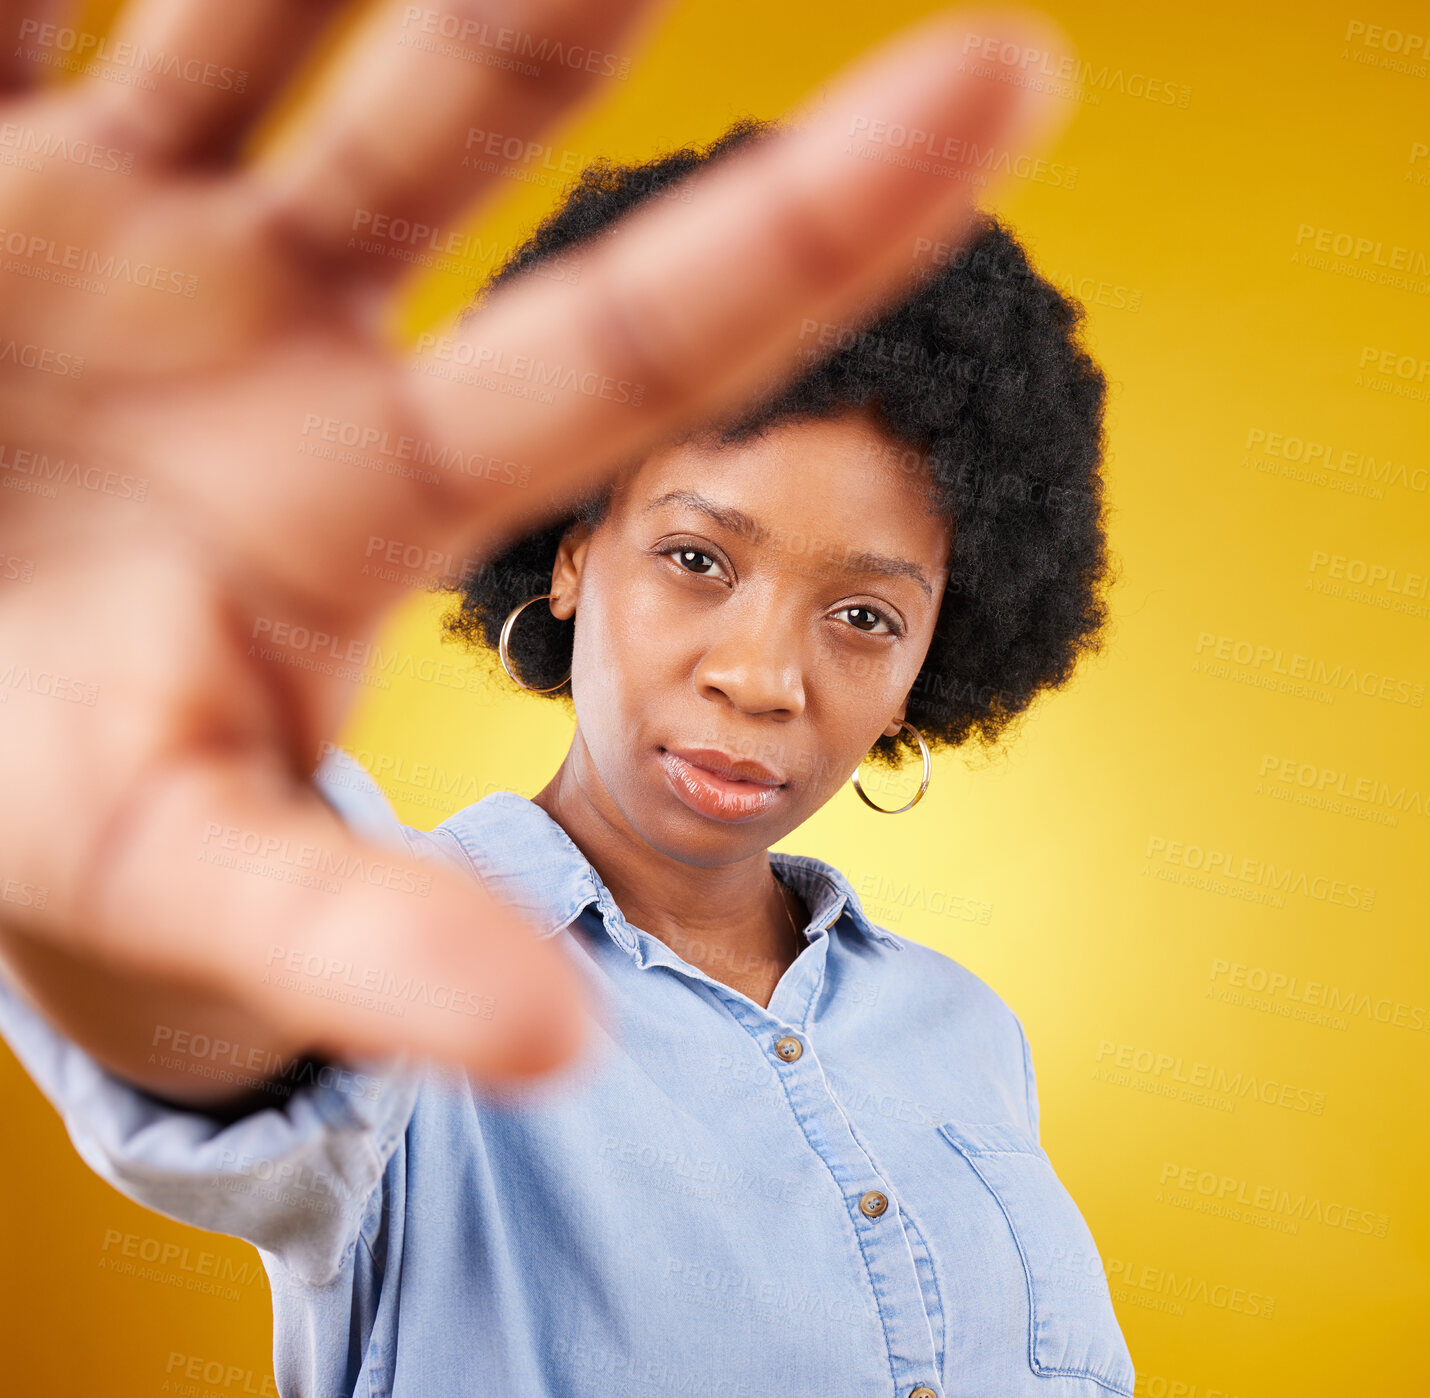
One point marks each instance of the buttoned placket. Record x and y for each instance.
(869, 1201)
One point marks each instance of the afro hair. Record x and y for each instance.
(981, 373)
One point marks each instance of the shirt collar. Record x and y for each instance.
(528, 861)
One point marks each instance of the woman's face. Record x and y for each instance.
(731, 600)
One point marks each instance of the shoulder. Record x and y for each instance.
(949, 979)
(352, 791)
(986, 1026)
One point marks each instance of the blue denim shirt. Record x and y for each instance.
(692, 1211)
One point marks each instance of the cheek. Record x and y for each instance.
(858, 681)
(621, 643)
(637, 620)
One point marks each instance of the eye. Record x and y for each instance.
(877, 616)
(683, 553)
(687, 554)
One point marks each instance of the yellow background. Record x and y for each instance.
(1180, 231)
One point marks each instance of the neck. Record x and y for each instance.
(729, 919)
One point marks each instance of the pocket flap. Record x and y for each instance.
(990, 1138)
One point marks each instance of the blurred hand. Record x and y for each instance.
(187, 311)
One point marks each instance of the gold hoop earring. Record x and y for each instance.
(923, 785)
(505, 654)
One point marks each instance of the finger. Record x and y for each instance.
(184, 79)
(385, 142)
(688, 307)
(161, 820)
(32, 47)
(692, 308)
(218, 871)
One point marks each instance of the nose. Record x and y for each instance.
(754, 660)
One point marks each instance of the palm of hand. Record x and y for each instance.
(184, 332)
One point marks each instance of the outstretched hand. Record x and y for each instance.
(186, 312)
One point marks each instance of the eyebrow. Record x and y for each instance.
(743, 525)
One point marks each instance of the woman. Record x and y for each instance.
(803, 1154)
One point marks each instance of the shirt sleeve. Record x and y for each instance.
(294, 1178)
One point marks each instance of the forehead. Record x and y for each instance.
(842, 480)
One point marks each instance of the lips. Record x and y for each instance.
(707, 792)
(742, 769)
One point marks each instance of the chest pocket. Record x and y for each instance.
(1073, 1329)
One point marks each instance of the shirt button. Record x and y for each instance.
(922, 1392)
(873, 1204)
(789, 1048)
